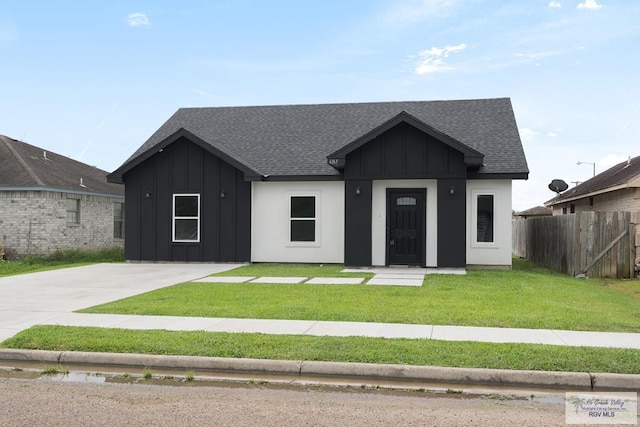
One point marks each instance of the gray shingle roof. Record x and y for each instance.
(613, 177)
(536, 211)
(24, 165)
(294, 140)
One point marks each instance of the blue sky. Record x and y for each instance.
(93, 79)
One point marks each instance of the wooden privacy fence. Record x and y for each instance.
(599, 244)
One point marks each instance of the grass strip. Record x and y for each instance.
(333, 349)
(59, 259)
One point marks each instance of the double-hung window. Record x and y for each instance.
(186, 217)
(302, 219)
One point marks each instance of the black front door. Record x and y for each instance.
(406, 226)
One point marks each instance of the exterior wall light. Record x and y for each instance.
(358, 190)
(452, 190)
(147, 195)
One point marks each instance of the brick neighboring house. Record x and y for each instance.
(616, 189)
(49, 202)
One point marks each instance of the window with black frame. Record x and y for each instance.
(484, 218)
(302, 218)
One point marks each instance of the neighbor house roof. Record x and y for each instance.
(27, 167)
(536, 211)
(295, 140)
(623, 175)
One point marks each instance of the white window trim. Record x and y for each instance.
(474, 219)
(174, 218)
(316, 242)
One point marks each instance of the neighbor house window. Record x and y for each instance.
(302, 219)
(186, 217)
(73, 211)
(572, 208)
(484, 218)
(118, 220)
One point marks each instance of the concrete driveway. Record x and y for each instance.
(31, 299)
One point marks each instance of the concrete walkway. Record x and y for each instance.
(51, 297)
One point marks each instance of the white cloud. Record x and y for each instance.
(554, 4)
(431, 61)
(552, 134)
(589, 4)
(527, 134)
(138, 20)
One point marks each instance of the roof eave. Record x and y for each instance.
(63, 190)
(553, 201)
(507, 175)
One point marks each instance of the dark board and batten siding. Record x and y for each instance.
(184, 167)
(405, 152)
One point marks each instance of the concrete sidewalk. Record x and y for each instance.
(343, 329)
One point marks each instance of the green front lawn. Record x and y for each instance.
(332, 349)
(525, 297)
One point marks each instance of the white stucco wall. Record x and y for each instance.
(499, 251)
(270, 222)
(379, 220)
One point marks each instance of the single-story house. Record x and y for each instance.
(614, 190)
(50, 202)
(534, 212)
(386, 183)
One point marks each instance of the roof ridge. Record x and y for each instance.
(330, 104)
(20, 160)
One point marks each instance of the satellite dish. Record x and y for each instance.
(558, 186)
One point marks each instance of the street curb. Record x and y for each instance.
(428, 374)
